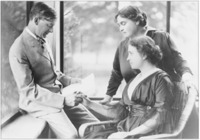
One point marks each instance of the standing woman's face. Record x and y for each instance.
(126, 26)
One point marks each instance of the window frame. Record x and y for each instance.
(59, 37)
(168, 12)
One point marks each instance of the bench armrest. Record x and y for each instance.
(88, 126)
(24, 126)
(183, 119)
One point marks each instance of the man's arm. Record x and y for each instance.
(28, 90)
(64, 79)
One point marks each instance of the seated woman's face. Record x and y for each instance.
(134, 58)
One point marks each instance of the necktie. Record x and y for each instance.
(41, 40)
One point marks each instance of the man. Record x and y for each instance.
(40, 85)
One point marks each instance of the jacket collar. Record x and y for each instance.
(150, 31)
(31, 41)
(30, 33)
(40, 39)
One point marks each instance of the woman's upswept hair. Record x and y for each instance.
(42, 11)
(133, 13)
(146, 46)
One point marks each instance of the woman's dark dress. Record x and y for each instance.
(172, 62)
(151, 96)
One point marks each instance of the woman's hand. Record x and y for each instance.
(187, 81)
(119, 135)
(107, 99)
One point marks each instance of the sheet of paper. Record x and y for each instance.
(87, 86)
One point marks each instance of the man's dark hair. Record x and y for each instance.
(42, 11)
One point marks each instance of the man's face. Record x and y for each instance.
(44, 27)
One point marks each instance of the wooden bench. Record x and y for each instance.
(25, 126)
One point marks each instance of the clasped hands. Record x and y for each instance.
(74, 99)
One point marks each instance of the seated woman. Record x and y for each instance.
(148, 96)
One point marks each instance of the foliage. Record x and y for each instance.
(92, 36)
(12, 22)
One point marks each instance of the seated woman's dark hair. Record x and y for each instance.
(133, 13)
(146, 46)
(42, 11)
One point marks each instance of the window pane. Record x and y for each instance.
(13, 20)
(184, 30)
(91, 37)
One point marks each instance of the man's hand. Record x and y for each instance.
(107, 99)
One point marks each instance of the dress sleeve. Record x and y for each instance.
(180, 64)
(163, 99)
(116, 76)
(29, 91)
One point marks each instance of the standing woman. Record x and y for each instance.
(132, 22)
(148, 96)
